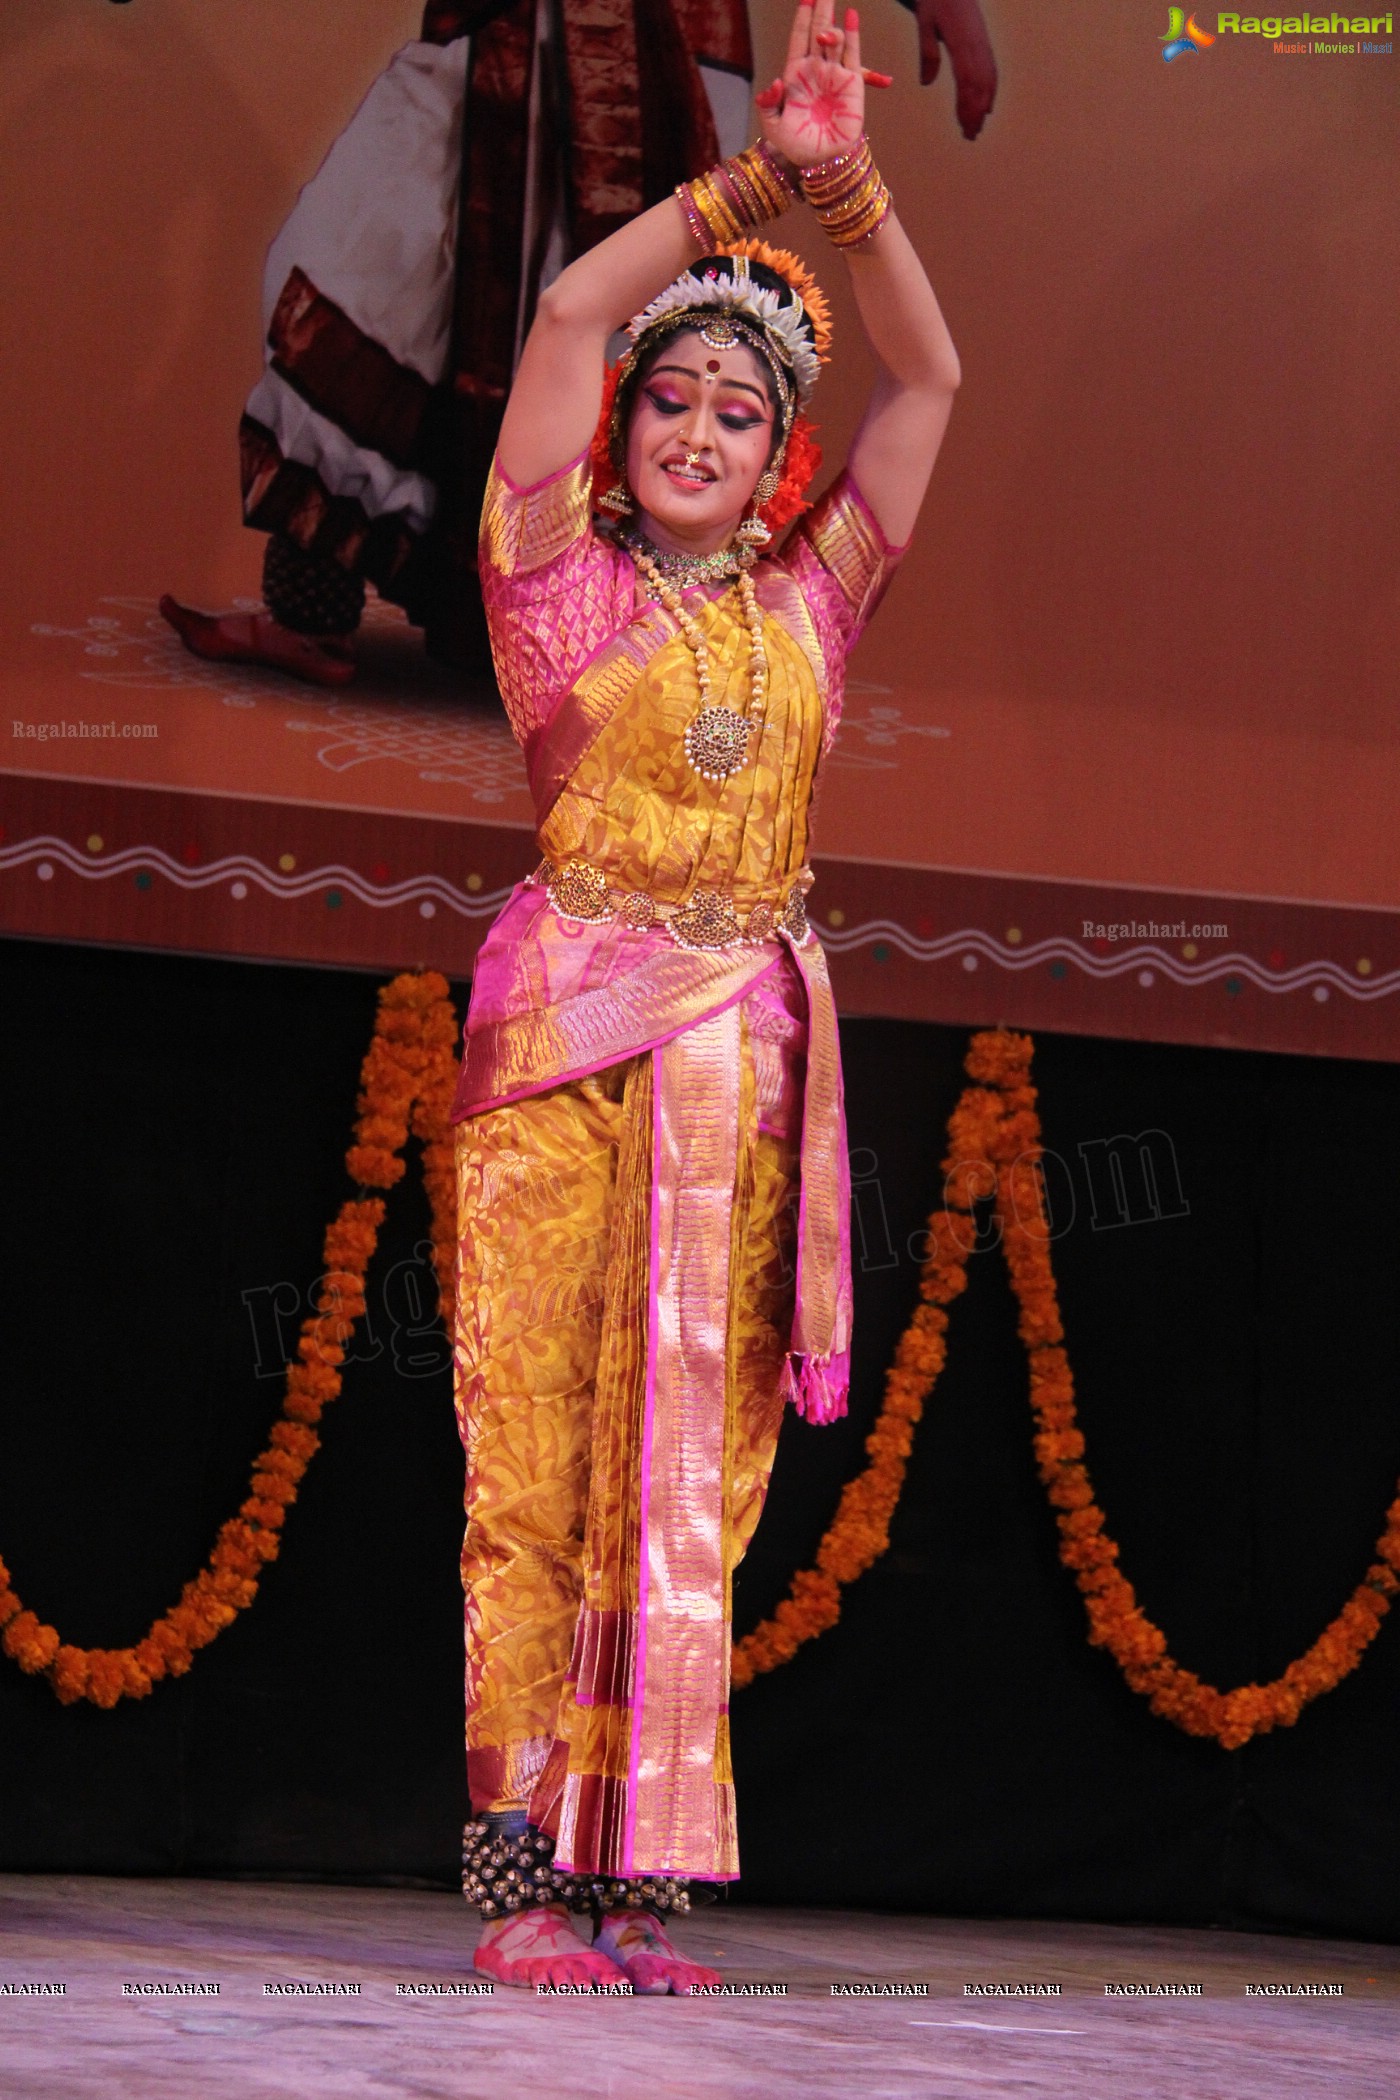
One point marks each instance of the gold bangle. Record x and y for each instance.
(848, 196)
(739, 195)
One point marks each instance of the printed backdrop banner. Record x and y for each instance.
(1146, 640)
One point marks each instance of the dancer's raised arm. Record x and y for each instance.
(553, 404)
(814, 117)
(811, 120)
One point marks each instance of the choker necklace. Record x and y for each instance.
(687, 570)
(717, 739)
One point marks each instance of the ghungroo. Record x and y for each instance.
(654, 1892)
(508, 1866)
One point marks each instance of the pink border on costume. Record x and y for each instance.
(634, 1760)
(643, 1049)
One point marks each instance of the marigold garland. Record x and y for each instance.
(406, 1083)
(995, 1152)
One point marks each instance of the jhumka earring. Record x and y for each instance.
(753, 535)
(618, 500)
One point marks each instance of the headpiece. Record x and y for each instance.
(743, 292)
(747, 290)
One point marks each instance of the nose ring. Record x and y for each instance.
(692, 459)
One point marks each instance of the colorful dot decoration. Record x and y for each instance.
(334, 900)
(286, 862)
(95, 842)
(1363, 967)
(143, 879)
(473, 882)
(836, 918)
(1013, 935)
(881, 952)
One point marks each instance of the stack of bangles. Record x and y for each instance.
(737, 196)
(756, 186)
(848, 195)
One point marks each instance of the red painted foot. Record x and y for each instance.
(638, 1944)
(540, 1946)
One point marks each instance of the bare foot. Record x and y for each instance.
(638, 1944)
(256, 638)
(540, 1946)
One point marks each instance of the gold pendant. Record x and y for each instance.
(717, 742)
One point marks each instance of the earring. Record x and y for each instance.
(618, 500)
(752, 536)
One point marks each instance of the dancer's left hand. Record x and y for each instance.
(817, 109)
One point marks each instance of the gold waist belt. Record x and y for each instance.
(707, 919)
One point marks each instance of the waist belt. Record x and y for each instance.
(707, 919)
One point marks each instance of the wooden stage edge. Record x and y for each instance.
(379, 890)
(354, 1993)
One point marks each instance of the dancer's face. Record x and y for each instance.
(702, 430)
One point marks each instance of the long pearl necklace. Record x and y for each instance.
(717, 739)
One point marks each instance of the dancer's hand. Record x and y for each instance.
(817, 109)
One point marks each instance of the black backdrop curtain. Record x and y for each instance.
(175, 1138)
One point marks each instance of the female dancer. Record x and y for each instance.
(651, 1083)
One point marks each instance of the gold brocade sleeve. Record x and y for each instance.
(842, 533)
(526, 529)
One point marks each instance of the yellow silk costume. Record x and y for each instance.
(651, 1174)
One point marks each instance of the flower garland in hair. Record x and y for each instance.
(406, 1082)
(995, 1152)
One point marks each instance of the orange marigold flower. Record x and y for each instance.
(32, 1644)
(68, 1674)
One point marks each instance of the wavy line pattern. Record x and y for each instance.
(971, 940)
(240, 867)
(964, 943)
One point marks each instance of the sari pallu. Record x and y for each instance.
(624, 1751)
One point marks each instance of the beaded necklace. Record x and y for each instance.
(717, 739)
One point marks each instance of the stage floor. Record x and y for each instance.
(111, 2035)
